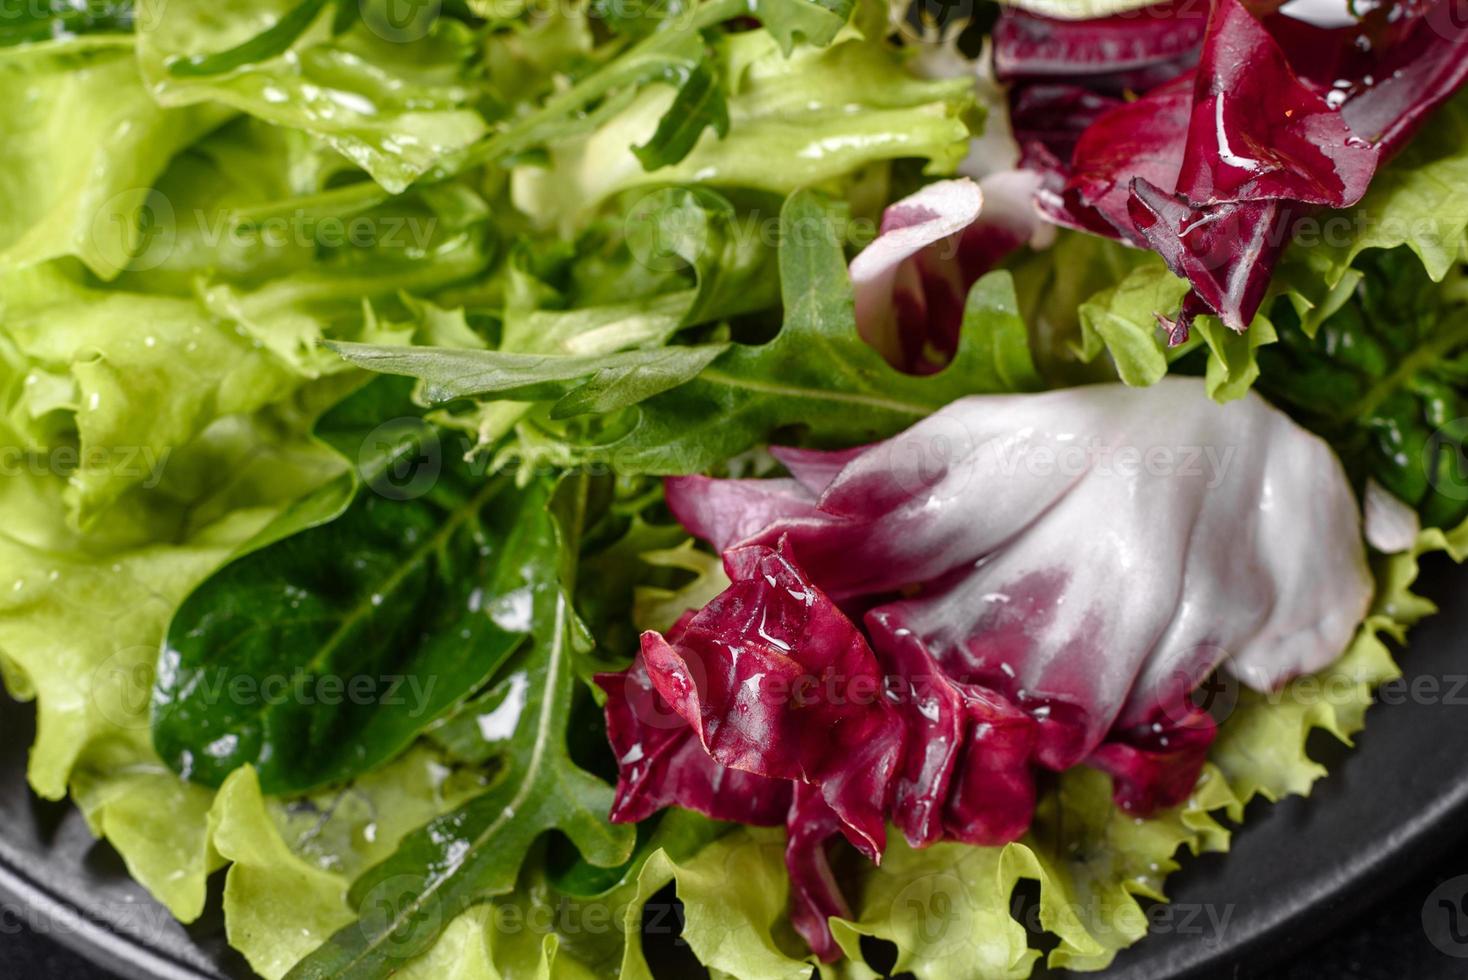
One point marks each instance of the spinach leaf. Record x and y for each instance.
(1385, 380)
(360, 616)
(476, 851)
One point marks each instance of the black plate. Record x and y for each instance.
(1297, 870)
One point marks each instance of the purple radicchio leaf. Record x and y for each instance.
(776, 680)
(910, 283)
(661, 762)
(1212, 167)
(768, 704)
(1248, 557)
(1042, 580)
(1064, 74)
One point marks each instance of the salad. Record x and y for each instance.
(532, 489)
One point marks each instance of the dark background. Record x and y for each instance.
(1387, 943)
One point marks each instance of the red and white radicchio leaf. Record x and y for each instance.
(1040, 581)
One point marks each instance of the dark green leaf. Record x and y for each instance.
(325, 652)
(699, 105)
(476, 852)
(1385, 381)
(588, 383)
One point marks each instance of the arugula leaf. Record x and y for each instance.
(686, 252)
(476, 851)
(583, 384)
(816, 375)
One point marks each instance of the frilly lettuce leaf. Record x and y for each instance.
(396, 105)
(1261, 747)
(292, 863)
(133, 376)
(948, 907)
(823, 112)
(1420, 200)
(220, 309)
(84, 142)
(80, 632)
(737, 931)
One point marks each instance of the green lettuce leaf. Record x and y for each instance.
(824, 112)
(1420, 200)
(949, 907)
(80, 632)
(84, 143)
(1261, 746)
(396, 104)
(291, 862)
(132, 378)
(1122, 320)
